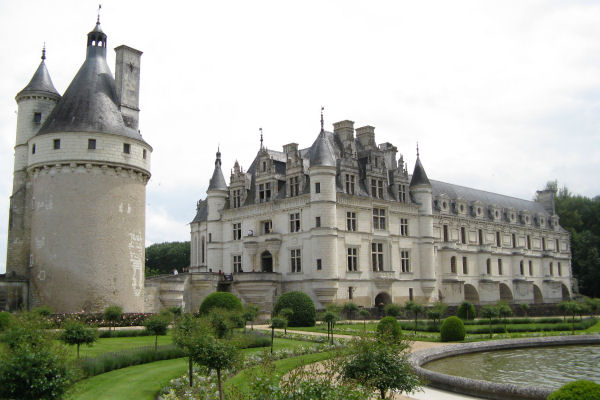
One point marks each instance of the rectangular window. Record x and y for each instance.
(514, 240)
(350, 183)
(551, 269)
(445, 233)
(237, 263)
(267, 226)
(319, 264)
(144, 152)
(405, 260)
(317, 187)
(480, 234)
(498, 240)
(556, 245)
(352, 259)
(33, 148)
(521, 268)
(530, 268)
(488, 265)
(351, 221)
(377, 188)
(377, 256)
(294, 186)
(56, 144)
(318, 222)
(463, 235)
(403, 227)
(210, 238)
(350, 292)
(559, 269)
(465, 266)
(237, 231)
(264, 192)
(295, 222)
(410, 294)
(295, 260)
(37, 118)
(528, 242)
(91, 144)
(237, 198)
(126, 148)
(264, 166)
(379, 218)
(402, 193)
(499, 266)
(544, 244)
(453, 265)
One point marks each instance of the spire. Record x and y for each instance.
(41, 82)
(261, 138)
(217, 182)
(419, 177)
(321, 152)
(96, 42)
(322, 121)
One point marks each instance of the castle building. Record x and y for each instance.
(77, 211)
(343, 220)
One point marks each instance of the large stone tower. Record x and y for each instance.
(77, 223)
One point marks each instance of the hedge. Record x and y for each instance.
(577, 390)
(302, 306)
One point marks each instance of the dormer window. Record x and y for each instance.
(294, 186)
(237, 198)
(264, 192)
(350, 181)
(377, 188)
(402, 193)
(264, 166)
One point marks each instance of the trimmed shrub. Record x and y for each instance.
(302, 305)
(580, 390)
(393, 310)
(224, 300)
(250, 340)
(452, 330)
(123, 333)
(389, 329)
(466, 311)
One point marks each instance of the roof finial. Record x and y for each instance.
(417, 149)
(98, 20)
(44, 51)
(261, 138)
(322, 122)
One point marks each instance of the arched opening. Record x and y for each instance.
(566, 295)
(266, 262)
(471, 294)
(382, 299)
(505, 293)
(537, 295)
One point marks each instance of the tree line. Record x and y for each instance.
(162, 258)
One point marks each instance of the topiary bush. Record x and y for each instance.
(389, 329)
(580, 390)
(223, 300)
(452, 330)
(466, 311)
(304, 309)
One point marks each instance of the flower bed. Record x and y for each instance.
(97, 319)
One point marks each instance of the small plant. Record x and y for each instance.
(524, 308)
(504, 311)
(466, 311)
(416, 309)
(113, 314)
(577, 390)
(302, 305)
(43, 311)
(287, 314)
(330, 318)
(157, 325)
(349, 309)
(216, 354)
(452, 330)
(489, 312)
(364, 314)
(436, 312)
(223, 300)
(569, 308)
(78, 333)
(389, 330)
(250, 313)
(5, 320)
(393, 310)
(277, 323)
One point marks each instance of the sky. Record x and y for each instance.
(501, 96)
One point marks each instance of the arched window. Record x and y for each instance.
(488, 265)
(453, 265)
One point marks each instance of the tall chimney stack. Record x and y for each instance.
(127, 77)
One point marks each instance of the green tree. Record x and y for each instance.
(78, 333)
(489, 312)
(415, 309)
(225, 300)
(393, 310)
(216, 354)
(330, 318)
(163, 257)
(466, 311)
(157, 325)
(504, 311)
(389, 330)
(250, 313)
(277, 323)
(287, 314)
(113, 314)
(569, 308)
(380, 365)
(32, 364)
(349, 309)
(304, 308)
(525, 308)
(436, 312)
(186, 332)
(364, 314)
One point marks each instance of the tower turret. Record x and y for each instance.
(216, 197)
(35, 102)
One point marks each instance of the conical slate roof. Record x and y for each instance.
(321, 152)
(90, 103)
(40, 82)
(419, 177)
(217, 182)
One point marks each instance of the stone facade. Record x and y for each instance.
(77, 213)
(343, 221)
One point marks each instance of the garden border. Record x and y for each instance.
(486, 389)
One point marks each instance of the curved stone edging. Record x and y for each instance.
(486, 389)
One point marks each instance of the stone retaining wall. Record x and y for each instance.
(486, 389)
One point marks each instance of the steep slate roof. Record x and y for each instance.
(90, 103)
(217, 182)
(201, 212)
(321, 152)
(419, 177)
(40, 82)
(468, 194)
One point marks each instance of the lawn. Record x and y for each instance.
(117, 344)
(142, 382)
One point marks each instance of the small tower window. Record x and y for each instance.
(56, 144)
(91, 144)
(37, 117)
(33, 148)
(319, 264)
(318, 222)
(126, 148)
(144, 154)
(317, 187)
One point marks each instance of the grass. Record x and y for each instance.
(116, 344)
(142, 382)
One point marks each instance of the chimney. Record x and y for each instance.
(366, 135)
(127, 77)
(546, 199)
(344, 130)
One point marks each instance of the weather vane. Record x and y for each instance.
(99, 7)
(261, 137)
(44, 51)
(322, 123)
(417, 149)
